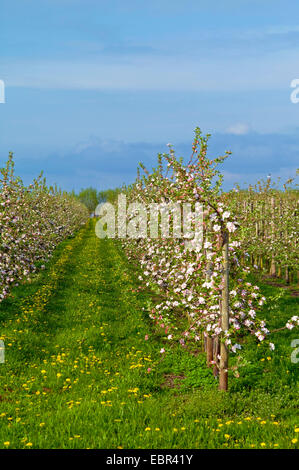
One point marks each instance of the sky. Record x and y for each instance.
(92, 87)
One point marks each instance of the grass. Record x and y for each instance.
(76, 367)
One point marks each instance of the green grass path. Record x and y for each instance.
(76, 368)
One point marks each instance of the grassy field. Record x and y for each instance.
(76, 367)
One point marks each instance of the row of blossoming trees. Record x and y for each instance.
(269, 226)
(33, 220)
(203, 291)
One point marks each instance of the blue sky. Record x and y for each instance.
(95, 86)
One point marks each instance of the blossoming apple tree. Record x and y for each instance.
(203, 291)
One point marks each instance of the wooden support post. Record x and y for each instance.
(216, 352)
(209, 345)
(223, 375)
(273, 267)
(203, 342)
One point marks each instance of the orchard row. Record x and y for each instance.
(33, 220)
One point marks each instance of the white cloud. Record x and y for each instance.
(282, 29)
(238, 129)
(156, 73)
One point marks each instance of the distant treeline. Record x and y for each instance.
(91, 197)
